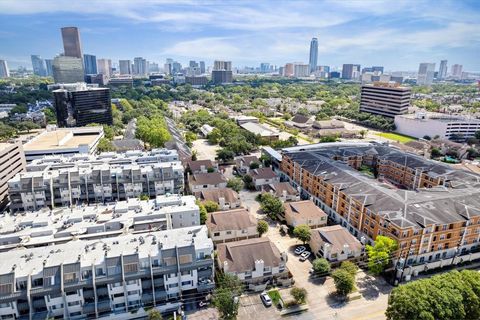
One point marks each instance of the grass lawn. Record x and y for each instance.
(396, 137)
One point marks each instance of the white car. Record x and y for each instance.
(300, 249)
(267, 301)
(305, 255)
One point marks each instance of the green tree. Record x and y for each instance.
(344, 281)
(225, 155)
(451, 295)
(303, 233)
(379, 254)
(26, 126)
(203, 212)
(190, 137)
(363, 133)
(154, 314)
(321, 266)
(271, 205)
(50, 115)
(228, 287)
(235, 184)
(211, 206)
(262, 227)
(435, 152)
(6, 131)
(350, 267)
(104, 145)
(254, 165)
(299, 294)
(477, 134)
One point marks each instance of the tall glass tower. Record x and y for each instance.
(313, 54)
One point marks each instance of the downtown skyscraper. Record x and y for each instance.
(426, 73)
(90, 63)
(442, 72)
(312, 62)
(71, 42)
(38, 66)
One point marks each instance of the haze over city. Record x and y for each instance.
(396, 34)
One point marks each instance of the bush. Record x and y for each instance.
(262, 227)
(299, 294)
(350, 267)
(211, 206)
(235, 184)
(321, 266)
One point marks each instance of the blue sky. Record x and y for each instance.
(396, 34)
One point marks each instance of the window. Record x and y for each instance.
(131, 267)
(173, 285)
(70, 277)
(73, 303)
(187, 283)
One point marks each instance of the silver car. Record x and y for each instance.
(267, 301)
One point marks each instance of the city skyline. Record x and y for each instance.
(398, 36)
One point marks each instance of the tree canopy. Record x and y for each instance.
(379, 255)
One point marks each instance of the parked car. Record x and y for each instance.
(299, 250)
(267, 301)
(305, 255)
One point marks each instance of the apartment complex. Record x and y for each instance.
(430, 209)
(12, 162)
(385, 99)
(446, 126)
(93, 180)
(81, 105)
(97, 278)
(60, 225)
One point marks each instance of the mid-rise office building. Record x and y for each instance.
(105, 67)
(222, 76)
(312, 62)
(202, 67)
(67, 69)
(12, 162)
(196, 80)
(125, 67)
(110, 277)
(90, 62)
(222, 65)
(442, 72)
(38, 66)
(289, 70)
(426, 73)
(4, 71)
(71, 42)
(49, 67)
(446, 126)
(385, 99)
(140, 66)
(457, 71)
(81, 105)
(350, 71)
(100, 180)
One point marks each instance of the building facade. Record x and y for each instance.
(90, 62)
(105, 67)
(102, 277)
(426, 73)
(93, 180)
(312, 62)
(350, 71)
(12, 162)
(429, 208)
(125, 67)
(385, 99)
(82, 105)
(4, 71)
(71, 42)
(67, 69)
(38, 66)
(442, 72)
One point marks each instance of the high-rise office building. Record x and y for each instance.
(312, 62)
(104, 67)
(71, 42)
(426, 73)
(81, 105)
(222, 65)
(222, 72)
(139, 66)
(90, 62)
(67, 69)
(385, 99)
(350, 71)
(289, 70)
(49, 67)
(457, 71)
(152, 67)
(193, 64)
(202, 67)
(38, 66)
(125, 66)
(4, 71)
(264, 67)
(442, 72)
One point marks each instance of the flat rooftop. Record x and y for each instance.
(63, 139)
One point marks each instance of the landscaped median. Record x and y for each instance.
(289, 301)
